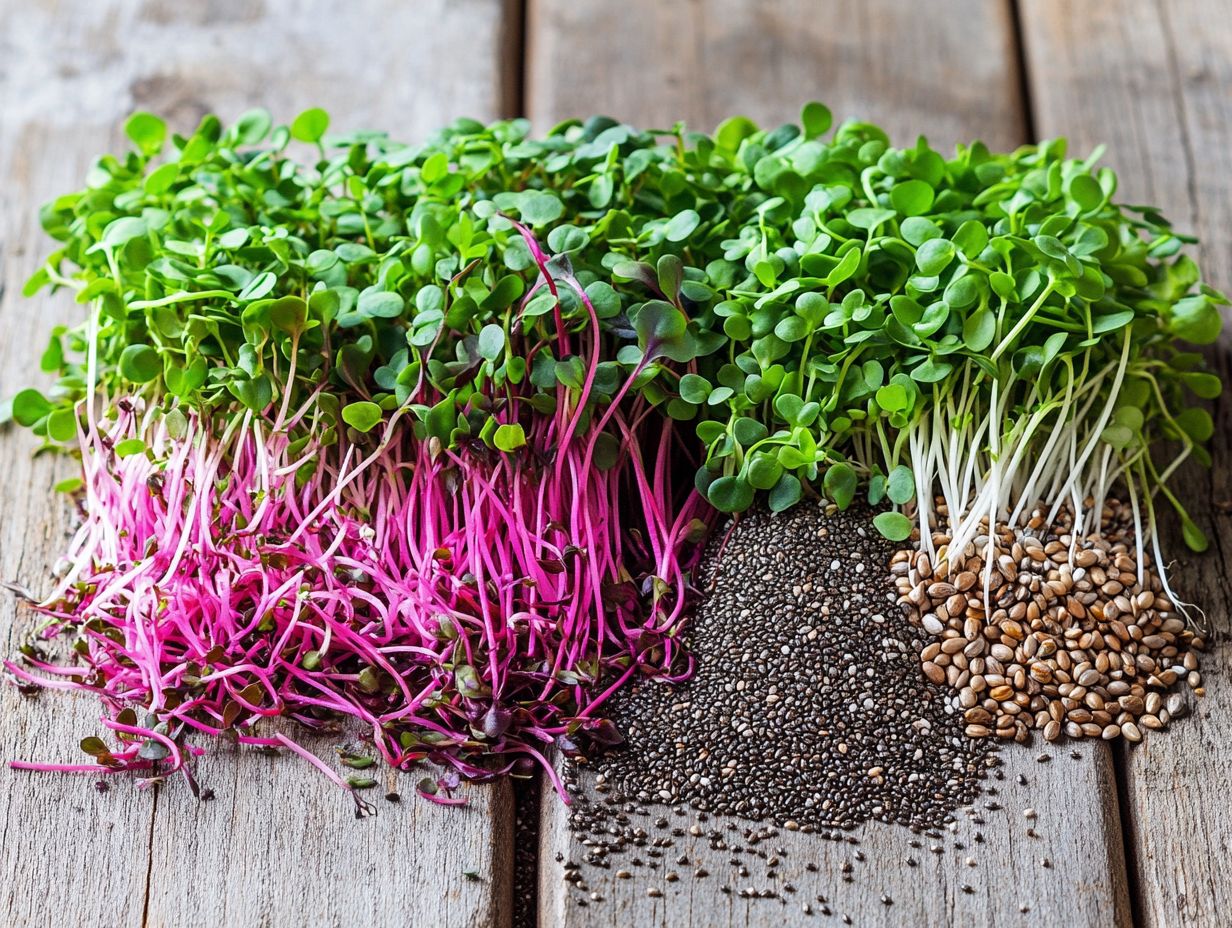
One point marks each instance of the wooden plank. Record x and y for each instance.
(1151, 80)
(890, 62)
(279, 845)
(948, 70)
(54, 830)
(1076, 830)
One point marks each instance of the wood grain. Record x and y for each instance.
(948, 70)
(1151, 79)
(279, 846)
(887, 61)
(1082, 883)
(54, 830)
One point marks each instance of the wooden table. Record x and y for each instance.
(1133, 837)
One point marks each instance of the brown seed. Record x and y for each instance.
(933, 672)
(1131, 732)
(1134, 705)
(1088, 677)
(1110, 732)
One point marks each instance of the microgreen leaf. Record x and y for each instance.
(310, 125)
(893, 525)
(361, 416)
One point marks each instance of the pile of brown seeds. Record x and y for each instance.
(807, 708)
(1077, 635)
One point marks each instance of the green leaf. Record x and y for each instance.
(1086, 192)
(128, 447)
(565, 240)
(971, 238)
(1111, 322)
(362, 416)
(310, 125)
(538, 207)
(380, 304)
(869, 218)
(840, 484)
(694, 388)
(140, 364)
(53, 356)
(682, 225)
(289, 313)
(917, 230)
(892, 397)
(95, 747)
(815, 119)
(1195, 538)
(662, 331)
(979, 329)
(147, 131)
(183, 379)
(509, 437)
(931, 370)
(732, 132)
(435, 168)
(786, 493)
(253, 127)
(900, 485)
(763, 471)
(1207, 386)
(62, 425)
(730, 494)
(120, 232)
(1196, 320)
(1196, 423)
(934, 256)
(491, 341)
(893, 525)
(912, 197)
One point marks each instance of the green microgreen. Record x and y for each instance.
(815, 314)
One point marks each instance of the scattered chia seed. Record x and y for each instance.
(807, 706)
(807, 712)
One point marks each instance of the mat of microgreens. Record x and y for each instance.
(426, 437)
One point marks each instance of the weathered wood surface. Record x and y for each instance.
(279, 845)
(1082, 882)
(949, 70)
(1153, 80)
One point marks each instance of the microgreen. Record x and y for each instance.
(355, 439)
(395, 431)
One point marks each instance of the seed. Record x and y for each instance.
(797, 626)
(1176, 706)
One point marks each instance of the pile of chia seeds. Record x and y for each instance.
(808, 708)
